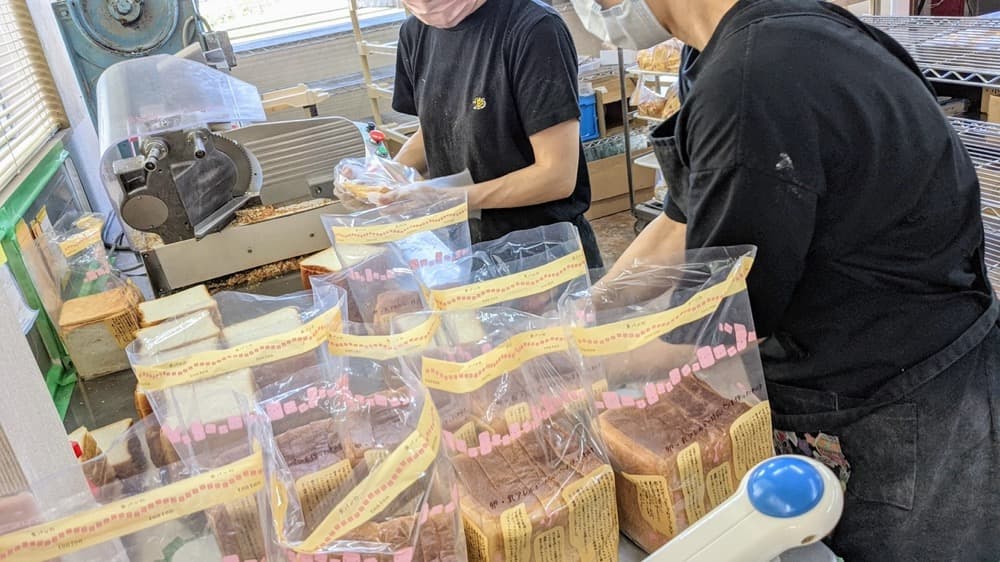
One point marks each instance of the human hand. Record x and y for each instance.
(417, 192)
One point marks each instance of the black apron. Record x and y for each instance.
(920, 458)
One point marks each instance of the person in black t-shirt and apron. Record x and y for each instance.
(494, 84)
(814, 136)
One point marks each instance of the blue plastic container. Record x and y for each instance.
(589, 130)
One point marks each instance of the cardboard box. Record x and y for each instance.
(609, 185)
(609, 57)
(991, 104)
(612, 85)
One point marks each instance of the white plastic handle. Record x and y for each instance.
(783, 503)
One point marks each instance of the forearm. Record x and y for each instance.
(657, 244)
(528, 186)
(412, 153)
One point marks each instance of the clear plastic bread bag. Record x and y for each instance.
(366, 179)
(80, 258)
(376, 245)
(528, 270)
(664, 57)
(19, 508)
(670, 359)
(371, 178)
(534, 482)
(130, 509)
(654, 105)
(195, 371)
(356, 469)
(378, 300)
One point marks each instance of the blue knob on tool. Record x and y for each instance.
(785, 487)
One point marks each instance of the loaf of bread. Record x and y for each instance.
(179, 304)
(97, 328)
(278, 322)
(340, 261)
(204, 414)
(214, 402)
(540, 496)
(437, 538)
(656, 106)
(328, 458)
(237, 530)
(112, 453)
(323, 263)
(142, 406)
(177, 333)
(674, 459)
(161, 450)
(390, 304)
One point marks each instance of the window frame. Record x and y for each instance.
(328, 31)
(36, 101)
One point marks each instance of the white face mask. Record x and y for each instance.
(629, 25)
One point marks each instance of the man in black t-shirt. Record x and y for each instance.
(494, 84)
(814, 137)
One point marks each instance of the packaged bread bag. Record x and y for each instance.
(654, 105)
(366, 479)
(78, 256)
(663, 57)
(201, 370)
(670, 360)
(528, 270)
(384, 243)
(534, 482)
(369, 179)
(152, 514)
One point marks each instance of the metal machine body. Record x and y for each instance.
(190, 203)
(186, 184)
(100, 33)
(296, 160)
(238, 248)
(184, 149)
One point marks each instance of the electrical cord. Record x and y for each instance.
(189, 33)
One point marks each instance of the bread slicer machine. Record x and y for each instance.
(182, 155)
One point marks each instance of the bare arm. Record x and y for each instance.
(412, 154)
(657, 244)
(550, 178)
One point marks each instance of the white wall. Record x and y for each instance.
(28, 419)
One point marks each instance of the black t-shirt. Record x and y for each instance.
(811, 135)
(482, 88)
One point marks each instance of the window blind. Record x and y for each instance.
(30, 108)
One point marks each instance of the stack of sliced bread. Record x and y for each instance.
(97, 328)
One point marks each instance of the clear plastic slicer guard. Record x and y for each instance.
(159, 96)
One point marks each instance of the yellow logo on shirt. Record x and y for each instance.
(479, 103)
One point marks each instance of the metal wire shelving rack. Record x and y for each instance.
(983, 142)
(962, 51)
